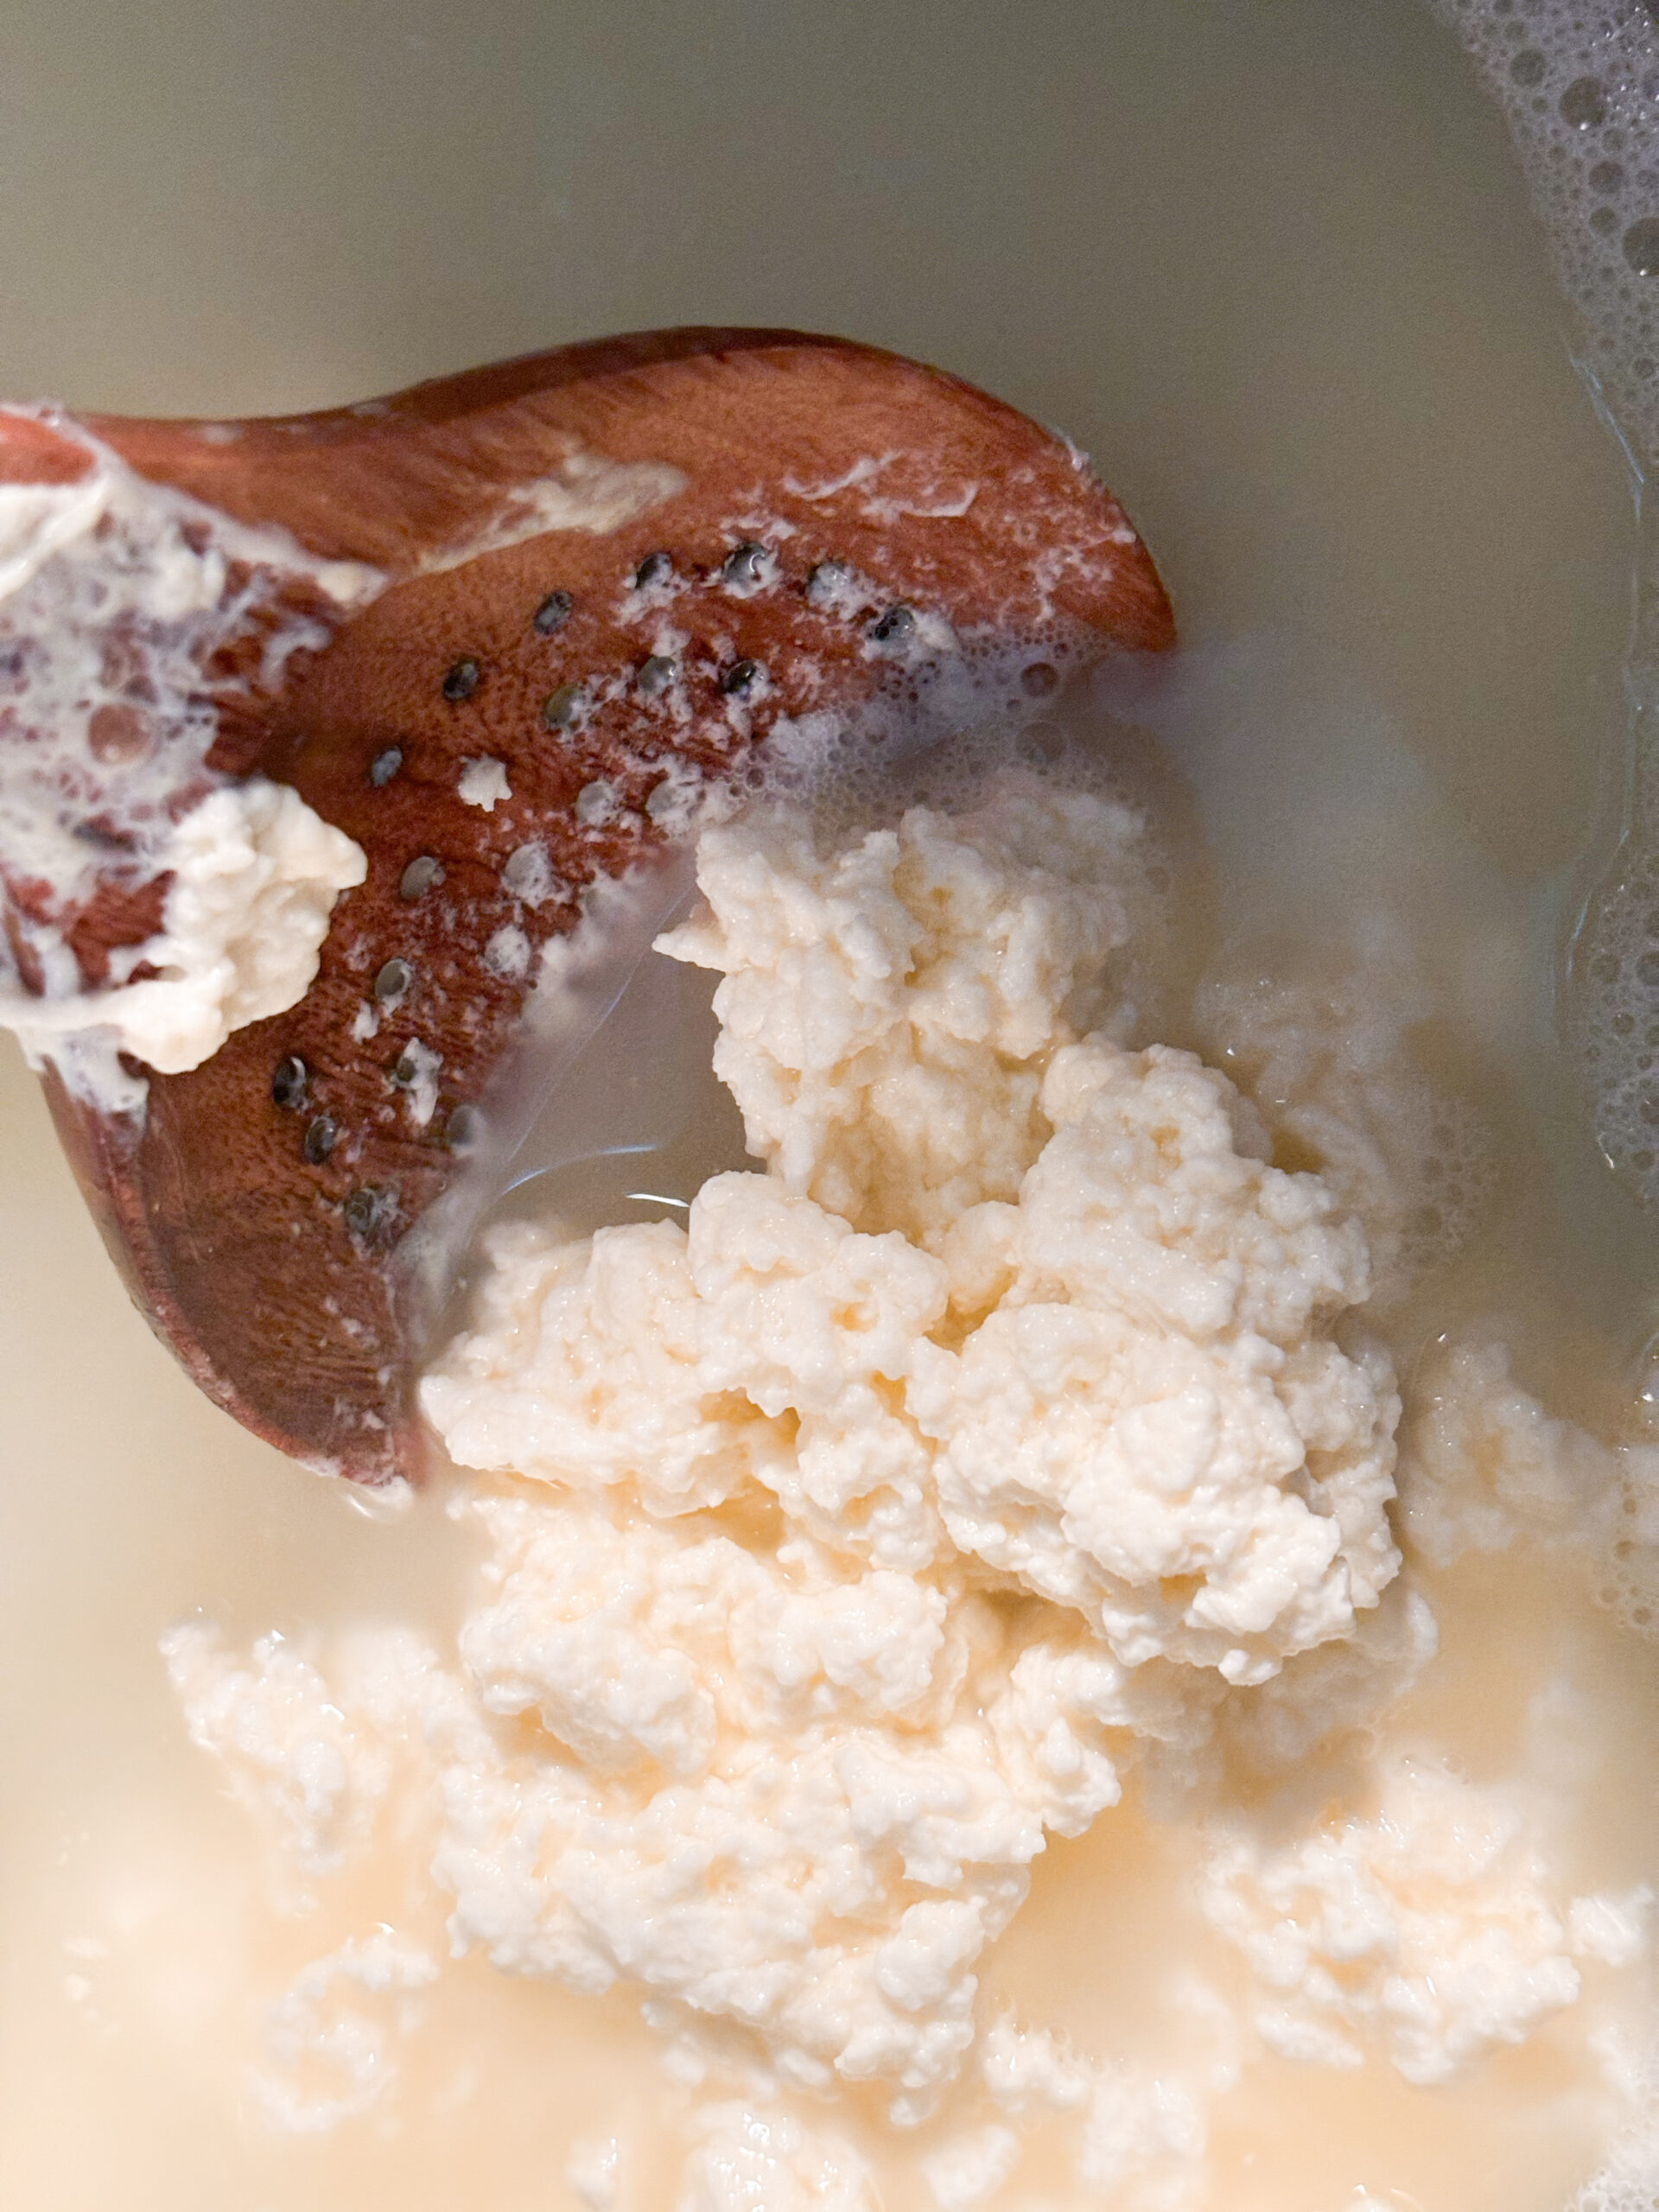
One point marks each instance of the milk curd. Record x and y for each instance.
(1009, 1454)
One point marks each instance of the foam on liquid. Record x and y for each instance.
(1580, 88)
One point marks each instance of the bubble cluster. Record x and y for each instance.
(1629, 2182)
(1611, 1008)
(935, 725)
(115, 590)
(1629, 1581)
(938, 730)
(1578, 84)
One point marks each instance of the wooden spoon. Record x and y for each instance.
(795, 507)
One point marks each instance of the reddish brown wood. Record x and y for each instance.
(238, 1248)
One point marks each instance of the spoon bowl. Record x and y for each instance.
(583, 579)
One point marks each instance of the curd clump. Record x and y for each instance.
(1429, 1928)
(120, 601)
(254, 874)
(1005, 1448)
(907, 1494)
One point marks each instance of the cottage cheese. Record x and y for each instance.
(756, 2161)
(866, 1529)
(330, 2038)
(254, 873)
(888, 1007)
(1008, 1442)
(1489, 1464)
(1330, 1059)
(1060, 1445)
(117, 597)
(1427, 1927)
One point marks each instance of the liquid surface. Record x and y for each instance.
(1283, 285)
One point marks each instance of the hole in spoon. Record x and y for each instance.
(321, 1137)
(423, 874)
(290, 1082)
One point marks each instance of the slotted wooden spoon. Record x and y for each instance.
(255, 1208)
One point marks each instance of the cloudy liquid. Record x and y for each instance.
(1274, 269)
